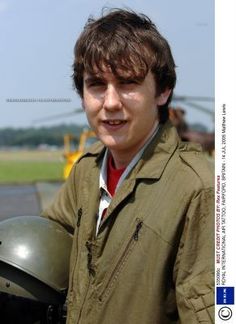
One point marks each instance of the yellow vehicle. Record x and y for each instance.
(74, 147)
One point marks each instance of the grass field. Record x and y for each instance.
(30, 166)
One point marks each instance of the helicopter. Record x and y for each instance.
(75, 146)
(186, 131)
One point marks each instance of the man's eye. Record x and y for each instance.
(96, 84)
(127, 82)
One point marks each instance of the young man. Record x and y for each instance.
(140, 203)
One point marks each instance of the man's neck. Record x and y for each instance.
(121, 160)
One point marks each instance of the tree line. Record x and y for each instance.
(33, 137)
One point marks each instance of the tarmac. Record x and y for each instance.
(27, 199)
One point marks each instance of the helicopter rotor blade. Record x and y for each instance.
(52, 117)
(200, 108)
(192, 98)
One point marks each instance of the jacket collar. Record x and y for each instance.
(158, 153)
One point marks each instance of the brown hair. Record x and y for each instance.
(130, 44)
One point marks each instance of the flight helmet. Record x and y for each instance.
(34, 258)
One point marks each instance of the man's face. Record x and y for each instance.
(122, 111)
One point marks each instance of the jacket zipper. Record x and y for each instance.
(132, 241)
(91, 273)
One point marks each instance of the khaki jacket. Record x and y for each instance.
(152, 261)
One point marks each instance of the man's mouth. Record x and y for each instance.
(114, 122)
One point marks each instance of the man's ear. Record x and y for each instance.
(163, 97)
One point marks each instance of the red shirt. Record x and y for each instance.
(113, 176)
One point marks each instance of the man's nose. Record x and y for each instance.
(112, 100)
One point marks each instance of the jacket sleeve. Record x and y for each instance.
(194, 267)
(64, 207)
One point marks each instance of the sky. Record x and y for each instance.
(36, 50)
